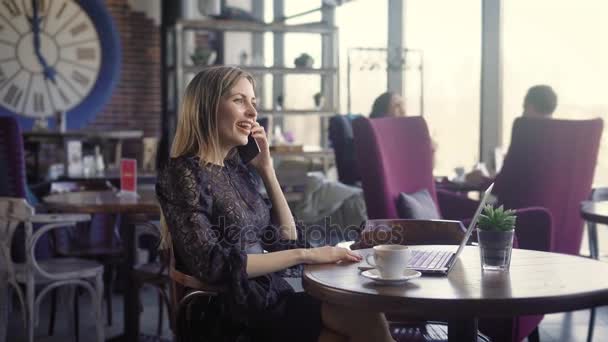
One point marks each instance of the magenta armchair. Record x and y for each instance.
(395, 156)
(550, 164)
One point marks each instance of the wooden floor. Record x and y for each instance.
(563, 327)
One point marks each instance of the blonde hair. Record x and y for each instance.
(197, 125)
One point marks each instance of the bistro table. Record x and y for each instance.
(133, 210)
(537, 283)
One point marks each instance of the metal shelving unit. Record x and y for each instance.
(178, 69)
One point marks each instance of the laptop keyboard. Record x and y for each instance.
(429, 259)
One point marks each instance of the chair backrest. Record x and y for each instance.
(409, 232)
(13, 212)
(341, 138)
(185, 290)
(550, 163)
(12, 165)
(395, 155)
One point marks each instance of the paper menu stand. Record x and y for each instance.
(128, 177)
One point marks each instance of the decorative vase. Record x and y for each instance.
(495, 249)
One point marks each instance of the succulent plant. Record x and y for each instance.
(496, 219)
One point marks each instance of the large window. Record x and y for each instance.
(562, 44)
(449, 33)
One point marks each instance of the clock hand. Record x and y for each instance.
(49, 72)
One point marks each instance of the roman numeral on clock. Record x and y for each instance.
(61, 10)
(12, 7)
(80, 78)
(38, 102)
(13, 95)
(85, 53)
(2, 76)
(76, 30)
(63, 96)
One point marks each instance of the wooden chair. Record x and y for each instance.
(186, 291)
(154, 273)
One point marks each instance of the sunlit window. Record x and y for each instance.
(562, 44)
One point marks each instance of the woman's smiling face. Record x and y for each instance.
(237, 113)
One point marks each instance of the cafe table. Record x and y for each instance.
(133, 210)
(537, 283)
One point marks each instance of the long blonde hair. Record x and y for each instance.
(197, 125)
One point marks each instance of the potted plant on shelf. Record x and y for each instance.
(495, 230)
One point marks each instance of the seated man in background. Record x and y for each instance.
(540, 102)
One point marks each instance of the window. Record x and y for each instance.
(559, 43)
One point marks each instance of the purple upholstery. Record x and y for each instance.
(12, 165)
(394, 156)
(550, 164)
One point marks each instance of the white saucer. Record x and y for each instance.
(374, 275)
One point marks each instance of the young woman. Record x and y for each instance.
(220, 225)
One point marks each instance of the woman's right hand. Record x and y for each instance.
(329, 254)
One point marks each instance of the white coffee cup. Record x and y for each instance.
(390, 260)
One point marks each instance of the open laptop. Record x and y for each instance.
(440, 262)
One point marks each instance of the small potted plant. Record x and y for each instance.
(495, 230)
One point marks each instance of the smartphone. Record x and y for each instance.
(249, 151)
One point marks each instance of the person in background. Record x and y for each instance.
(220, 226)
(540, 102)
(388, 104)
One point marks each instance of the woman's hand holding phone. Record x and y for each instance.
(262, 160)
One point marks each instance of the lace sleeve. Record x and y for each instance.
(186, 203)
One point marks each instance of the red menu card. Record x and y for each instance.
(128, 175)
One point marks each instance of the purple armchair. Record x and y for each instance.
(396, 156)
(550, 164)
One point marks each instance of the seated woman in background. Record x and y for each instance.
(388, 104)
(220, 226)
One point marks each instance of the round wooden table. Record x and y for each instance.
(537, 283)
(133, 210)
(96, 202)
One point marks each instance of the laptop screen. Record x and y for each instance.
(473, 223)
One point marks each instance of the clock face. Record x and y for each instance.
(50, 57)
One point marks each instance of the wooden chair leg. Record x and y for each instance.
(534, 336)
(76, 316)
(591, 325)
(53, 312)
(159, 327)
(108, 275)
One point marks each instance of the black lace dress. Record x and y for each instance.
(216, 217)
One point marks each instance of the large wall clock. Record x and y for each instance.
(56, 55)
